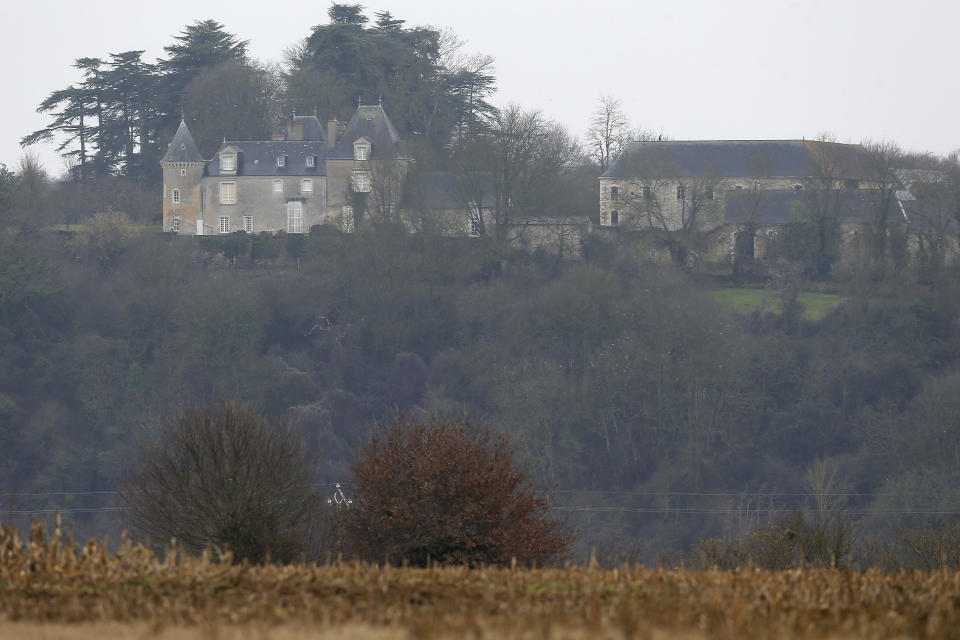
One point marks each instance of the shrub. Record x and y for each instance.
(793, 542)
(230, 478)
(448, 491)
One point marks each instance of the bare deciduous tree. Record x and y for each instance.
(610, 133)
(226, 477)
(672, 203)
(523, 158)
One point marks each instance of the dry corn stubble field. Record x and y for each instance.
(52, 590)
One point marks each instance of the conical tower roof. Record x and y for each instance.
(182, 148)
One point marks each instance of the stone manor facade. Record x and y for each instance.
(308, 175)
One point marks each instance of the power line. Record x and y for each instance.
(711, 494)
(27, 512)
(747, 512)
(741, 494)
(17, 494)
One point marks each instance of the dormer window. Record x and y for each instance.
(228, 162)
(281, 161)
(311, 161)
(361, 149)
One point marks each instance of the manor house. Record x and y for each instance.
(307, 175)
(739, 193)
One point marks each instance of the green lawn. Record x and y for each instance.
(815, 305)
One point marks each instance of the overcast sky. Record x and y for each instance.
(740, 69)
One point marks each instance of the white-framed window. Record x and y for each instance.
(294, 216)
(227, 162)
(615, 194)
(347, 216)
(228, 192)
(175, 196)
(278, 186)
(175, 225)
(360, 181)
(361, 152)
(306, 185)
(281, 161)
(224, 224)
(311, 161)
(474, 223)
(248, 224)
(183, 172)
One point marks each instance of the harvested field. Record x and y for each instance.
(49, 590)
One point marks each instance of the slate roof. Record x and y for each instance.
(370, 122)
(259, 158)
(734, 159)
(774, 206)
(439, 190)
(312, 127)
(182, 148)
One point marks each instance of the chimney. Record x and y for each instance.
(332, 127)
(278, 136)
(295, 130)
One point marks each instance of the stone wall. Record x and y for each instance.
(256, 198)
(187, 211)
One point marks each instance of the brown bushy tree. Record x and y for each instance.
(448, 491)
(226, 477)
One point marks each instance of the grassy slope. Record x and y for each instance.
(742, 300)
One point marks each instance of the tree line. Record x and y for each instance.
(650, 413)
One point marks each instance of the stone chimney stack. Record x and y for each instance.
(332, 127)
(295, 130)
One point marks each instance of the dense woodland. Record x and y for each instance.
(653, 415)
(622, 382)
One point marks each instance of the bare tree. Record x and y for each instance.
(674, 203)
(523, 157)
(609, 132)
(226, 477)
(386, 184)
(933, 217)
(881, 159)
